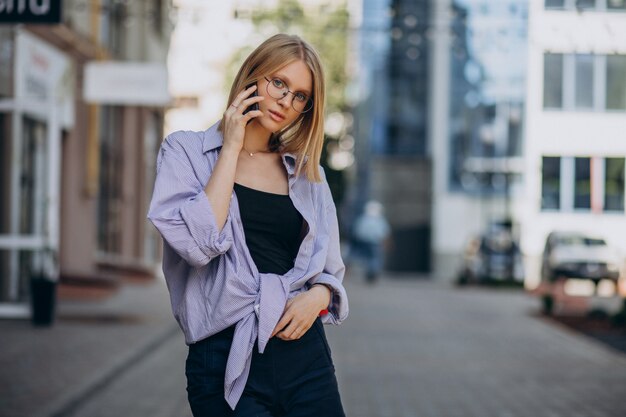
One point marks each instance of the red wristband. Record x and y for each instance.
(323, 312)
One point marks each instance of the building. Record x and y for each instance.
(476, 121)
(576, 119)
(391, 124)
(81, 114)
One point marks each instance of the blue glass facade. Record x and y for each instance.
(487, 87)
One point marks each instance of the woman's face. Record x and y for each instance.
(279, 112)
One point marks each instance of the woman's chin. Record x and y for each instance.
(268, 124)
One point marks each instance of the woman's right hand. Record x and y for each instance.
(235, 121)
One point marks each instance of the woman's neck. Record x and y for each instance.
(256, 138)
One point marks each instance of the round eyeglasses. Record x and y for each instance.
(277, 88)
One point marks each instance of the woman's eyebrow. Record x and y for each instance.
(288, 81)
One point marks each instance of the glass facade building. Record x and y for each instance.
(487, 87)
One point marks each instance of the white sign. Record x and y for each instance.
(45, 75)
(126, 83)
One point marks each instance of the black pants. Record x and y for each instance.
(291, 379)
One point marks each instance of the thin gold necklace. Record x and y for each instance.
(252, 153)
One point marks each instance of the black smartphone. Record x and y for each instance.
(254, 106)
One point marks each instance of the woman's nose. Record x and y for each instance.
(285, 100)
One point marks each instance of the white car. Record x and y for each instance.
(577, 255)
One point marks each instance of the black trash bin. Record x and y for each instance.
(43, 300)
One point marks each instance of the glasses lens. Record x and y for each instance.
(302, 106)
(277, 89)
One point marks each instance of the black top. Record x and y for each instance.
(273, 228)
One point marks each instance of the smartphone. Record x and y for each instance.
(254, 106)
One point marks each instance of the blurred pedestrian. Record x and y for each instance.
(251, 243)
(371, 231)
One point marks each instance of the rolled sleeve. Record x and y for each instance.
(198, 214)
(181, 212)
(338, 306)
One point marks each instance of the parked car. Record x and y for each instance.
(578, 255)
(492, 256)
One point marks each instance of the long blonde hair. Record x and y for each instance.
(305, 136)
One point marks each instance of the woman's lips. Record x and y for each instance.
(276, 116)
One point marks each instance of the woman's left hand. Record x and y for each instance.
(300, 313)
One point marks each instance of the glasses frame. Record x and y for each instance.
(309, 102)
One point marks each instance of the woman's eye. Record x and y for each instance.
(278, 83)
(301, 97)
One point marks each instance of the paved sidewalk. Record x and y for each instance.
(49, 371)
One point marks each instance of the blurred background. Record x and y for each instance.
(491, 134)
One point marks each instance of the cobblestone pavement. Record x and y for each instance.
(411, 348)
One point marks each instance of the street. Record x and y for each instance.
(411, 347)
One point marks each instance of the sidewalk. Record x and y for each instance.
(49, 371)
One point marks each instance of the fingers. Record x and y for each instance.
(251, 115)
(295, 330)
(291, 332)
(250, 101)
(242, 96)
(282, 323)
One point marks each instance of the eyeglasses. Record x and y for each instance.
(278, 89)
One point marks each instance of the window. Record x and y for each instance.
(616, 4)
(571, 82)
(553, 81)
(583, 90)
(585, 4)
(157, 16)
(614, 184)
(550, 183)
(582, 183)
(110, 187)
(616, 82)
(555, 4)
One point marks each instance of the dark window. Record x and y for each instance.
(550, 183)
(555, 4)
(585, 4)
(582, 183)
(110, 187)
(157, 16)
(616, 82)
(616, 4)
(614, 184)
(584, 81)
(553, 81)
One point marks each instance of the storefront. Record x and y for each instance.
(36, 108)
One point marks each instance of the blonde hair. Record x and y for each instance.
(305, 136)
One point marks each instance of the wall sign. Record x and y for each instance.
(30, 11)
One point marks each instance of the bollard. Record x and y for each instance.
(43, 300)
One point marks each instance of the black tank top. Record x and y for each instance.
(273, 228)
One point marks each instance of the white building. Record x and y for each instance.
(576, 123)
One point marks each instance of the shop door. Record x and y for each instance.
(24, 174)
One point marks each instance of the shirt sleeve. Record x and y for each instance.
(181, 212)
(334, 268)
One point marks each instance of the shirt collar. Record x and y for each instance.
(213, 139)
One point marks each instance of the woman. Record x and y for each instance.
(251, 243)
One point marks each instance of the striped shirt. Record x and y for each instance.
(212, 279)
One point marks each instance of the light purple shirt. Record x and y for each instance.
(212, 279)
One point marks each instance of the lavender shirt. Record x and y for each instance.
(212, 279)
